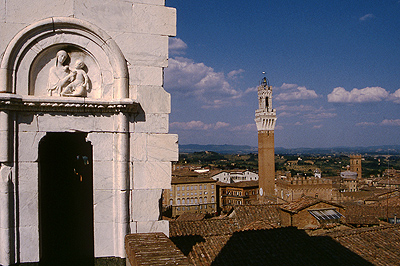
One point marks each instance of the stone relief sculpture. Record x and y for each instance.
(78, 86)
(64, 81)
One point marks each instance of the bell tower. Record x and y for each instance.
(265, 121)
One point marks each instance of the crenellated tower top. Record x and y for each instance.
(265, 115)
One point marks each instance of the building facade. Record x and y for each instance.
(191, 194)
(240, 193)
(293, 188)
(355, 165)
(265, 121)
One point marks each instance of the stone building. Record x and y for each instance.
(240, 193)
(265, 121)
(191, 194)
(293, 188)
(85, 150)
(233, 176)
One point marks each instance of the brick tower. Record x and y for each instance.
(355, 164)
(265, 120)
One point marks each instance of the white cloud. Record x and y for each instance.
(368, 94)
(234, 74)
(367, 17)
(391, 122)
(246, 127)
(294, 92)
(317, 126)
(395, 97)
(176, 46)
(365, 124)
(184, 76)
(309, 113)
(198, 125)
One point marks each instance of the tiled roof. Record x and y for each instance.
(302, 203)
(369, 214)
(203, 228)
(281, 246)
(247, 214)
(378, 245)
(191, 179)
(187, 216)
(153, 249)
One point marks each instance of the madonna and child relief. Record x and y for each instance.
(65, 80)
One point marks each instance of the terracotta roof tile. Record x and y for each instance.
(153, 249)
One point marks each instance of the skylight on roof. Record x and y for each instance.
(326, 214)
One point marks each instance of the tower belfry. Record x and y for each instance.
(265, 121)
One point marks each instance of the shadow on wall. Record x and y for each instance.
(282, 246)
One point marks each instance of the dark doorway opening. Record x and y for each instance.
(66, 200)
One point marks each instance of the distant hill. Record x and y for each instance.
(226, 149)
(245, 149)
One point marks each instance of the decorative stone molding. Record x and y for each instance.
(13, 102)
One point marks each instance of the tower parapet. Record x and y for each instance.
(265, 114)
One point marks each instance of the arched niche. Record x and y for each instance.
(99, 78)
(30, 54)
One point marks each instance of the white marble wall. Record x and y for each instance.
(140, 28)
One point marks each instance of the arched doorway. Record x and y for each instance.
(66, 200)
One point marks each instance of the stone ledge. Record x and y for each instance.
(14, 102)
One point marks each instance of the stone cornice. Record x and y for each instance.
(18, 103)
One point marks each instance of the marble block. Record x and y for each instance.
(154, 123)
(150, 175)
(154, 99)
(28, 145)
(29, 245)
(162, 147)
(146, 75)
(160, 19)
(102, 144)
(145, 204)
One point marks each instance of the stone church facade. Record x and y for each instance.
(84, 146)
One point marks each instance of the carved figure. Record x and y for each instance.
(60, 75)
(77, 87)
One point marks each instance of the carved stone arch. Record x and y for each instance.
(38, 42)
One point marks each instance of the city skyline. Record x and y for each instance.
(333, 68)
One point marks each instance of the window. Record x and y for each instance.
(195, 187)
(201, 200)
(205, 199)
(179, 201)
(178, 188)
(183, 188)
(170, 202)
(205, 186)
(187, 187)
(195, 201)
(200, 187)
(191, 187)
(183, 201)
(212, 199)
(212, 186)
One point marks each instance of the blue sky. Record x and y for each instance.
(334, 67)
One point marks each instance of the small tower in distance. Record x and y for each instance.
(265, 121)
(355, 165)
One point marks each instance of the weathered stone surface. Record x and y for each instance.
(145, 204)
(102, 144)
(143, 49)
(102, 175)
(149, 175)
(29, 206)
(103, 231)
(29, 237)
(151, 2)
(146, 75)
(28, 146)
(154, 99)
(138, 146)
(161, 20)
(104, 205)
(110, 17)
(154, 123)
(162, 147)
(18, 11)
